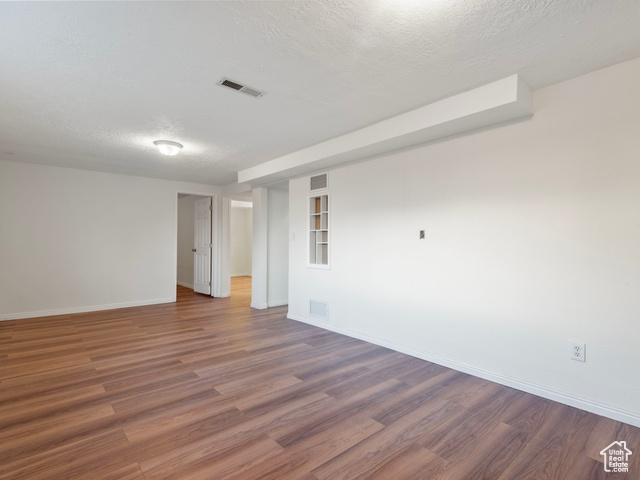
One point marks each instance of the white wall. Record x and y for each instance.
(220, 274)
(533, 238)
(73, 240)
(240, 221)
(278, 247)
(186, 240)
(259, 248)
(270, 264)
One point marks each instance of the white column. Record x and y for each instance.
(220, 232)
(260, 248)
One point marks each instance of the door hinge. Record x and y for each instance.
(211, 207)
(209, 283)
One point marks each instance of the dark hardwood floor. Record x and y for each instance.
(211, 389)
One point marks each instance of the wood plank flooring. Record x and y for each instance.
(211, 389)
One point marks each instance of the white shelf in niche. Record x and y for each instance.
(319, 230)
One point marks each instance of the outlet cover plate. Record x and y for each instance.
(578, 351)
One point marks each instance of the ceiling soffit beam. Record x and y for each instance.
(497, 102)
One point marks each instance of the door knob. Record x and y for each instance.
(193, 250)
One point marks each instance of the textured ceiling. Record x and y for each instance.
(90, 85)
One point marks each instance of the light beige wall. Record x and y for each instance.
(278, 247)
(240, 222)
(73, 240)
(532, 240)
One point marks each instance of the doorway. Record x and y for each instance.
(194, 243)
(241, 238)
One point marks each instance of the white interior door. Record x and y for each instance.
(202, 247)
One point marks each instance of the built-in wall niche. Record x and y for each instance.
(319, 230)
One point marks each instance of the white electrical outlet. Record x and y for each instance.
(577, 351)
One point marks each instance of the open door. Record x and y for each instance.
(202, 246)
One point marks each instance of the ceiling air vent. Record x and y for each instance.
(319, 182)
(225, 82)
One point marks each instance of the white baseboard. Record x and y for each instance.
(184, 284)
(608, 411)
(262, 306)
(89, 308)
(279, 303)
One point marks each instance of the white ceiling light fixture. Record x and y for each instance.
(167, 147)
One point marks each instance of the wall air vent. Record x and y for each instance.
(318, 309)
(225, 82)
(319, 182)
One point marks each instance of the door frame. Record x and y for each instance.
(220, 274)
(202, 250)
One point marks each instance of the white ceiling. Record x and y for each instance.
(91, 84)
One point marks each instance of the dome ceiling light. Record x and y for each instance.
(167, 147)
